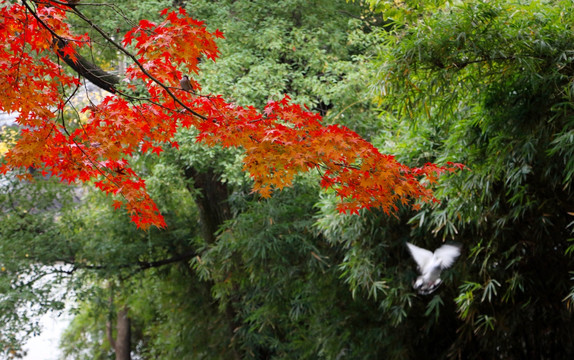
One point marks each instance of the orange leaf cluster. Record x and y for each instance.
(279, 142)
(286, 140)
(164, 48)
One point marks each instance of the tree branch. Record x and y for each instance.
(96, 75)
(135, 60)
(85, 68)
(143, 265)
(139, 265)
(91, 71)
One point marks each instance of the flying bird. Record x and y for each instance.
(431, 264)
(185, 84)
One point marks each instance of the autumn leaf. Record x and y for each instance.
(117, 204)
(279, 141)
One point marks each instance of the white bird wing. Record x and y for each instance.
(447, 254)
(421, 256)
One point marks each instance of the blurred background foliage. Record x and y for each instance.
(485, 83)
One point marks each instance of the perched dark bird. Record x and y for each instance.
(185, 84)
(431, 264)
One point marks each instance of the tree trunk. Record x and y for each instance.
(123, 337)
(212, 203)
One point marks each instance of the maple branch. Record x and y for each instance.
(85, 68)
(69, 99)
(97, 76)
(94, 162)
(93, 72)
(136, 61)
